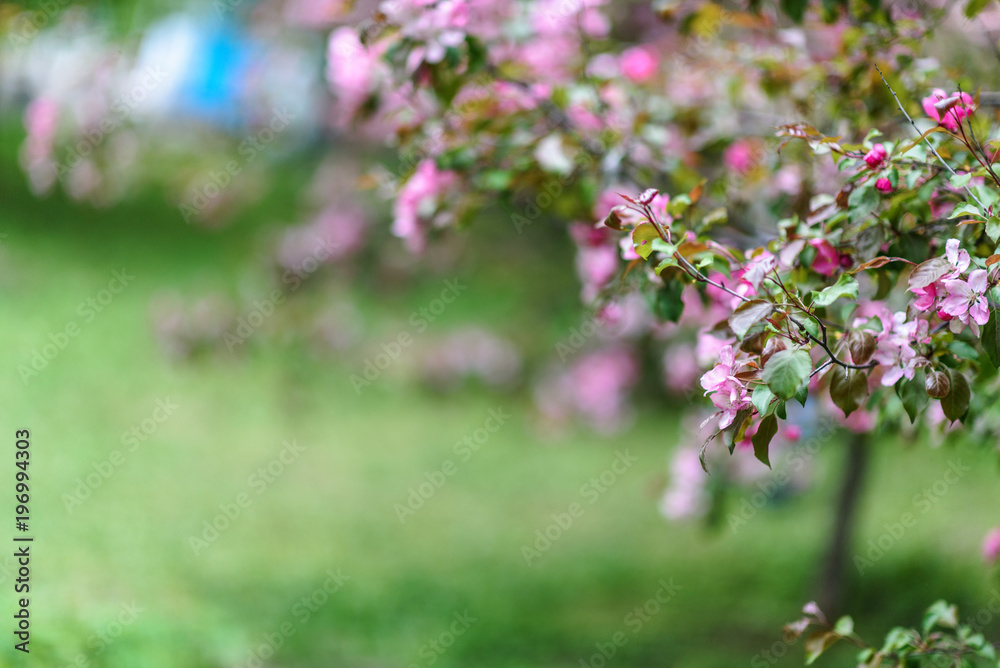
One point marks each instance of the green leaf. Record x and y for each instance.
(967, 210)
(678, 205)
(496, 179)
(961, 180)
(796, 9)
(993, 228)
(845, 286)
(716, 217)
(848, 388)
(802, 395)
(747, 314)
(956, 404)
(642, 237)
(817, 643)
(786, 371)
(762, 439)
(940, 614)
(668, 304)
(991, 339)
(963, 350)
(667, 262)
(974, 7)
(862, 201)
(913, 395)
(663, 246)
(844, 626)
(735, 432)
(761, 399)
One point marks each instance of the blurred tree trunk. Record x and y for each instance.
(835, 573)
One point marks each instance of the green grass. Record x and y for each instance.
(333, 508)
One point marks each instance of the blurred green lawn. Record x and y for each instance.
(332, 508)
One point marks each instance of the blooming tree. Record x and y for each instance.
(777, 196)
(872, 290)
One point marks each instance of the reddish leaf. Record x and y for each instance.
(928, 272)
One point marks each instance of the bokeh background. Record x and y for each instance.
(151, 420)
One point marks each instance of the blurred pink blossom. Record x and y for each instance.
(639, 63)
(418, 200)
(991, 546)
(740, 156)
(686, 495)
(827, 261)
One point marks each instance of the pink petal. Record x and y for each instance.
(958, 288)
(956, 306)
(951, 250)
(977, 281)
(980, 312)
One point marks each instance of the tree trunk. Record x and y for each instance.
(835, 574)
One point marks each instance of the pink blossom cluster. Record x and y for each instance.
(948, 110)
(955, 297)
(876, 159)
(895, 344)
(354, 72)
(730, 395)
(437, 25)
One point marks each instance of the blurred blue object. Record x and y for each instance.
(209, 65)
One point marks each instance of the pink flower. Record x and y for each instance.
(728, 393)
(418, 200)
(948, 110)
(991, 546)
(793, 432)
(967, 299)
(639, 64)
(875, 157)
(926, 297)
(827, 260)
(883, 185)
(352, 69)
(894, 346)
(958, 257)
(740, 156)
